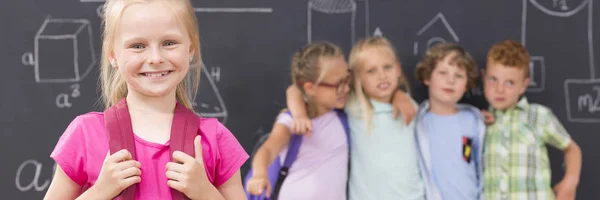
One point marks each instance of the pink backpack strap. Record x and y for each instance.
(120, 136)
(183, 132)
(184, 129)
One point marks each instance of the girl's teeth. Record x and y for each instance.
(156, 74)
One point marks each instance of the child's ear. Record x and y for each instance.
(192, 51)
(399, 66)
(427, 82)
(525, 85)
(308, 88)
(113, 60)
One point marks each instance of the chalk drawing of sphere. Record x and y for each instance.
(560, 8)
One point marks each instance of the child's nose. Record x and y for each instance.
(381, 74)
(156, 56)
(451, 79)
(500, 88)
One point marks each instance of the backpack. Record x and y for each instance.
(120, 136)
(277, 172)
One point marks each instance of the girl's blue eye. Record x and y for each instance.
(137, 46)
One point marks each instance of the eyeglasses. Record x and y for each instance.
(339, 87)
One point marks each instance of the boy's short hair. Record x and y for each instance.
(509, 53)
(438, 52)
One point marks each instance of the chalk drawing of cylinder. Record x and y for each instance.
(64, 51)
(332, 21)
(559, 31)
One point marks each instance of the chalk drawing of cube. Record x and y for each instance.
(64, 51)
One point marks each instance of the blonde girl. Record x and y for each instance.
(149, 46)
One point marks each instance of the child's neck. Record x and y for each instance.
(387, 99)
(319, 110)
(151, 117)
(142, 104)
(440, 108)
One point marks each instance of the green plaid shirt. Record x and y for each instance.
(516, 164)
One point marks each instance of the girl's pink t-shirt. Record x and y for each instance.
(82, 148)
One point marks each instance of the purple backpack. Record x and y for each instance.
(277, 172)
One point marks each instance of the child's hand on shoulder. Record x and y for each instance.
(258, 184)
(187, 174)
(403, 105)
(302, 125)
(488, 117)
(118, 172)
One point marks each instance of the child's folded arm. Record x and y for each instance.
(567, 187)
(557, 136)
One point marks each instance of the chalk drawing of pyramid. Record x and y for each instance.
(208, 100)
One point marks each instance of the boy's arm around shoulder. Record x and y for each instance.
(403, 104)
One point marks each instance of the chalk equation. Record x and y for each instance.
(31, 169)
(583, 100)
(590, 102)
(63, 100)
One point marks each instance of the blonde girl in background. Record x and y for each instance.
(383, 160)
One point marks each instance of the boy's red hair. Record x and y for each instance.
(509, 53)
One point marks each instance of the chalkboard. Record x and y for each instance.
(51, 49)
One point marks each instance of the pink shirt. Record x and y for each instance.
(82, 149)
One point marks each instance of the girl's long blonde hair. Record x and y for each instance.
(112, 85)
(358, 95)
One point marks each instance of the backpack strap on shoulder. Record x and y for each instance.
(292, 154)
(184, 129)
(120, 136)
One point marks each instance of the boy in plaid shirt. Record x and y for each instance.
(516, 163)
